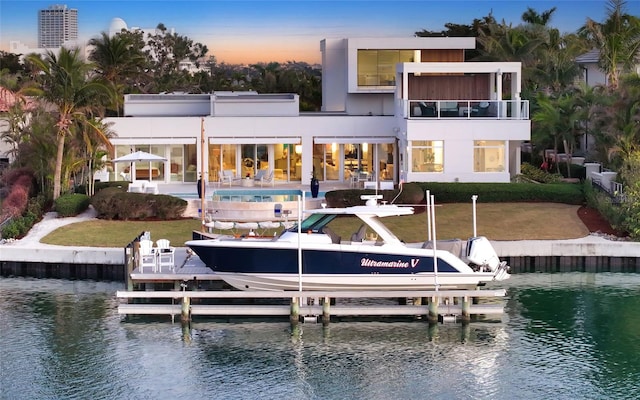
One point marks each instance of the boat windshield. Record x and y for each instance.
(314, 223)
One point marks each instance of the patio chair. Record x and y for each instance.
(362, 177)
(226, 176)
(266, 178)
(353, 179)
(259, 174)
(136, 187)
(147, 256)
(165, 254)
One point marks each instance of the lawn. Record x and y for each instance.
(497, 221)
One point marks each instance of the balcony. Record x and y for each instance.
(466, 109)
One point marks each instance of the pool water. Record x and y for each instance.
(251, 196)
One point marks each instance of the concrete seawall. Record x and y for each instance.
(589, 254)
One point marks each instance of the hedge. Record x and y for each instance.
(414, 193)
(69, 205)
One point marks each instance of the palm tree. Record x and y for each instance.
(66, 84)
(118, 62)
(531, 16)
(557, 118)
(617, 39)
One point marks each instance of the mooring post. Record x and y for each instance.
(185, 315)
(466, 307)
(295, 311)
(433, 310)
(326, 308)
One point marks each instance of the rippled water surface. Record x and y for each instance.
(564, 336)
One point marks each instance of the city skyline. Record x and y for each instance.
(286, 30)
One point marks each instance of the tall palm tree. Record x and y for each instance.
(557, 118)
(531, 16)
(118, 61)
(617, 39)
(66, 84)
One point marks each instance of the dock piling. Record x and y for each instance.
(295, 310)
(433, 310)
(326, 308)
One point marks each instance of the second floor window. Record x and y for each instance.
(378, 67)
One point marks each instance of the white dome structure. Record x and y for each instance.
(116, 26)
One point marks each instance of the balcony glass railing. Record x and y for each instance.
(467, 109)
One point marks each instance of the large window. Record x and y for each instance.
(378, 67)
(427, 156)
(488, 156)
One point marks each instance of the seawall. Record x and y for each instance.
(589, 254)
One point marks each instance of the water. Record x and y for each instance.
(251, 195)
(564, 336)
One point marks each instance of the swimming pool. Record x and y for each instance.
(251, 205)
(250, 195)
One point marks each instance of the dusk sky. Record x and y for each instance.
(287, 30)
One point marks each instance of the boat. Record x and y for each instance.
(310, 256)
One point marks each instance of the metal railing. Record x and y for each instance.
(466, 109)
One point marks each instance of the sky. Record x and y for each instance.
(237, 31)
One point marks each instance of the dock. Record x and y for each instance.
(299, 306)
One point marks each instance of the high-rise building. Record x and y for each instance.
(56, 25)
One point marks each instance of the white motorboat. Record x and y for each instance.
(311, 256)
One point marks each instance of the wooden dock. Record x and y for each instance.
(314, 305)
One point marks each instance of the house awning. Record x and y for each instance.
(353, 139)
(254, 140)
(121, 141)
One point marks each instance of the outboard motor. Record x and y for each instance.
(481, 253)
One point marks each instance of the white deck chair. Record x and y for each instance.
(226, 176)
(166, 255)
(147, 256)
(259, 175)
(267, 178)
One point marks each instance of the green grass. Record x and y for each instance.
(497, 221)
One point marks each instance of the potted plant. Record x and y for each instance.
(315, 184)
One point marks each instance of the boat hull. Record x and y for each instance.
(423, 281)
(276, 266)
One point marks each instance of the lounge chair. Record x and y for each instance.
(265, 178)
(226, 176)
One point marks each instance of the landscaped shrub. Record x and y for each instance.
(169, 207)
(104, 202)
(539, 175)
(134, 206)
(123, 185)
(414, 193)
(411, 193)
(13, 228)
(113, 203)
(16, 202)
(69, 205)
(568, 193)
(614, 214)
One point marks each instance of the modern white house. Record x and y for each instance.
(393, 109)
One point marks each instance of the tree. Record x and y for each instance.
(531, 16)
(119, 62)
(65, 84)
(617, 39)
(165, 51)
(557, 118)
